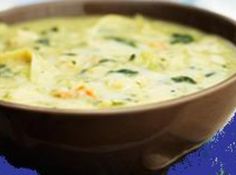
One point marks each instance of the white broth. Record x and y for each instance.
(108, 61)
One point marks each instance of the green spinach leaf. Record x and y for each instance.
(181, 38)
(183, 79)
(125, 72)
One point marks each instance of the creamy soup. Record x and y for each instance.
(108, 61)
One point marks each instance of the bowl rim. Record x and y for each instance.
(90, 113)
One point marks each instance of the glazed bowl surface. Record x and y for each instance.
(150, 136)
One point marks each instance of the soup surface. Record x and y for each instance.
(108, 61)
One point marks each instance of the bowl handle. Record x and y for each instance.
(166, 149)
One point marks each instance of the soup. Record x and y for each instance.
(109, 61)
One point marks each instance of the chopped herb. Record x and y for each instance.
(2, 66)
(55, 29)
(181, 38)
(122, 40)
(105, 60)
(210, 74)
(5, 71)
(129, 99)
(83, 71)
(43, 41)
(73, 62)
(43, 32)
(117, 103)
(163, 59)
(125, 71)
(7, 95)
(70, 54)
(195, 68)
(132, 57)
(172, 91)
(224, 66)
(36, 48)
(183, 79)
(133, 95)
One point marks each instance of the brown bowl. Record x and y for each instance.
(150, 136)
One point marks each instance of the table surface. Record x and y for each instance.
(216, 157)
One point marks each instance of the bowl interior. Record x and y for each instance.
(195, 17)
(190, 16)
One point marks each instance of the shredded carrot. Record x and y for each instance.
(90, 93)
(158, 45)
(73, 93)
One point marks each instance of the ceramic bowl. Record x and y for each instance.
(150, 136)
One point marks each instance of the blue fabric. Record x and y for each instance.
(217, 157)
